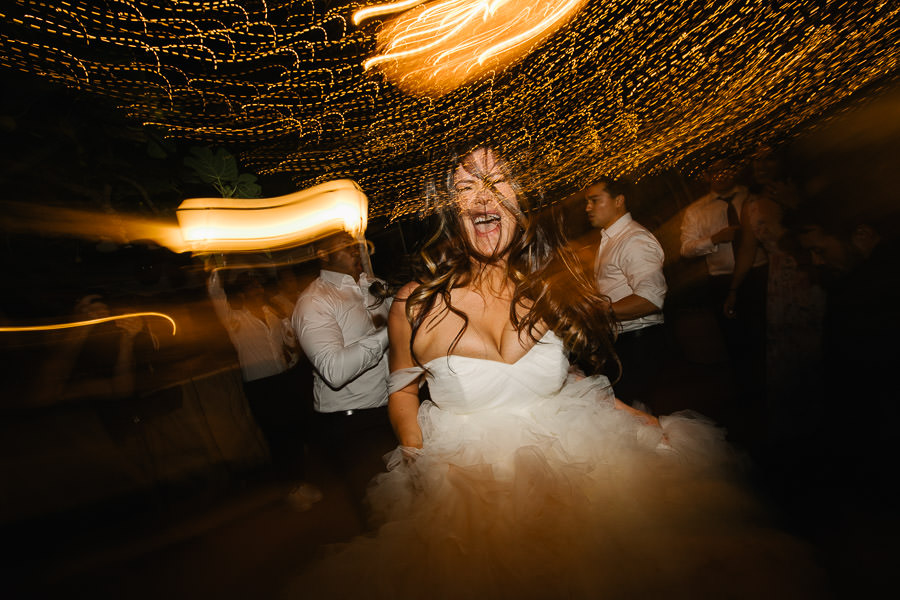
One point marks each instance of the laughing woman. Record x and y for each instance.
(522, 476)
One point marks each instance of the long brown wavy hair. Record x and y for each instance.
(550, 285)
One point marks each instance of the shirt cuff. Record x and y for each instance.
(377, 341)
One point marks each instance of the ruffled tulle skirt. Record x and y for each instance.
(567, 498)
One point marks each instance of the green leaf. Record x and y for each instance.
(246, 187)
(212, 167)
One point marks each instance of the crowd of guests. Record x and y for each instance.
(802, 286)
(800, 281)
(801, 289)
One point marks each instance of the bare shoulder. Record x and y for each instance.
(398, 306)
(404, 292)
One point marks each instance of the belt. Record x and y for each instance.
(351, 412)
(643, 331)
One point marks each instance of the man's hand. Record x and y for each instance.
(726, 234)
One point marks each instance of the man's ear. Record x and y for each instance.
(619, 201)
(865, 238)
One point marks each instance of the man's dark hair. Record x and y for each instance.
(333, 242)
(615, 187)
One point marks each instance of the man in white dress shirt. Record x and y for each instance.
(711, 229)
(629, 270)
(342, 330)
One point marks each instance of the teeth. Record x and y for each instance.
(481, 219)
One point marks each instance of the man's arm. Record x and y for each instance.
(642, 263)
(323, 343)
(694, 240)
(219, 300)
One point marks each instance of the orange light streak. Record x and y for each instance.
(447, 44)
(383, 9)
(247, 225)
(90, 322)
(88, 224)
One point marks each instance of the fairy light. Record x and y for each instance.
(88, 322)
(627, 87)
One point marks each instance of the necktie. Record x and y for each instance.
(733, 221)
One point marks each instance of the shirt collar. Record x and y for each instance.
(620, 224)
(337, 279)
(733, 194)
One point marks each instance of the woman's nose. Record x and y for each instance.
(484, 194)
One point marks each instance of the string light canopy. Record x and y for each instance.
(628, 87)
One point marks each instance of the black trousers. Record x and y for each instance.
(354, 443)
(745, 340)
(280, 408)
(642, 353)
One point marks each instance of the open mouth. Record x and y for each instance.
(485, 223)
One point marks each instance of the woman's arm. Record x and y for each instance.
(646, 418)
(403, 405)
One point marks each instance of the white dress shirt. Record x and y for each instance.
(333, 321)
(706, 217)
(259, 344)
(630, 261)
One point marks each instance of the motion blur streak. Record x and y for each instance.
(89, 224)
(247, 225)
(435, 49)
(383, 9)
(90, 322)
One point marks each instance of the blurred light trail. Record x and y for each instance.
(89, 224)
(383, 9)
(438, 48)
(247, 225)
(90, 322)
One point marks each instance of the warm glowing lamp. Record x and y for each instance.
(248, 225)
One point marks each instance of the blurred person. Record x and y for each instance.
(523, 477)
(288, 291)
(857, 258)
(795, 306)
(55, 382)
(628, 269)
(283, 302)
(262, 341)
(711, 229)
(771, 177)
(341, 327)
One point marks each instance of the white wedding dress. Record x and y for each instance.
(531, 484)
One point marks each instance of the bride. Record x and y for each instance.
(522, 476)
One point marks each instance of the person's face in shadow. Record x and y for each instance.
(342, 256)
(721, 176)
(832, 256)
(253, 293)
(486, 202)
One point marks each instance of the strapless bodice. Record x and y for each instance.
(463, 384)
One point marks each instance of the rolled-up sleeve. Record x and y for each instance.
(694, 239)
(322, 340)
(642, 263)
